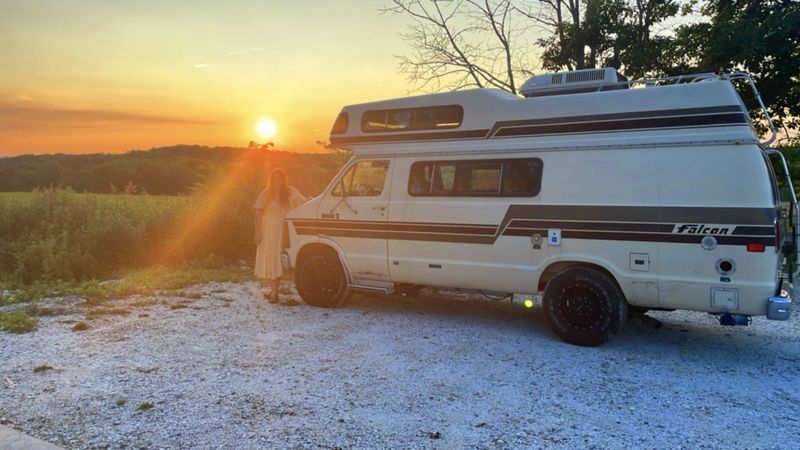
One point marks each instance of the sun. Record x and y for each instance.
(266, 127)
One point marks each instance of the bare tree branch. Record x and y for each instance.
(459, 43)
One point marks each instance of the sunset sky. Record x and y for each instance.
(110, 76)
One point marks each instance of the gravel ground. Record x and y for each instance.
(226, 371)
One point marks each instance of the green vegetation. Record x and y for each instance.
(161, 171)
(57, 234)
(145, 406)
(42, 368)
(792, 155)
(57, 241)
(17, 322)
(759, 36)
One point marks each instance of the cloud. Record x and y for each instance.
(15, 115)
(202, 66)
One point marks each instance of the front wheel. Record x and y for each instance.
(321, 280)
(584, 306)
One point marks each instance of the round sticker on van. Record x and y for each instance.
(709, 243)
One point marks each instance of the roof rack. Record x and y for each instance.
(746, 76)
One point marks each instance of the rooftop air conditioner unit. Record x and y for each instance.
(574, 82)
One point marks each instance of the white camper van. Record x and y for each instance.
(602, 194)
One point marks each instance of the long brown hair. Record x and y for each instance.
(278, 189)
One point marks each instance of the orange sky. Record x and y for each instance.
(110, 76)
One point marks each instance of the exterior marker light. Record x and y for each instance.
(528, 303)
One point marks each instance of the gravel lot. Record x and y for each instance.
(224, 370)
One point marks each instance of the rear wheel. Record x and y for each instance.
(584, 306)
(321, 280)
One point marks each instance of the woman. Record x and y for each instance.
(271, 207)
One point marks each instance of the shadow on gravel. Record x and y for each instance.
(700, 339)
(703, 340)
(513, 318)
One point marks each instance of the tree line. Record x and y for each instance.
(176, 170)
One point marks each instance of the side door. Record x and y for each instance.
(456, 218)
(353, 214)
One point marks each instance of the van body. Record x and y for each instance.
(653, 197)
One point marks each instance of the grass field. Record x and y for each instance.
(55, 237)
(175, 200)
(57, 234)
(57, 242)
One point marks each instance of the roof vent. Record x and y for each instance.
(575, 82)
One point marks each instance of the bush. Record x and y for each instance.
(17, 322)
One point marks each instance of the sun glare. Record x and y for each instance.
(266, 127)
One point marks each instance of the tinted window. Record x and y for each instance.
(340, 126)
(522, 176)
(432, 118)
(504, 178)
(363, 179)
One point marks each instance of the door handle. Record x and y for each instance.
(379, 208)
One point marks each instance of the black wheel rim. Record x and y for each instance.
(324, 279)
(581, 305)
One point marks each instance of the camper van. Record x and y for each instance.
(605, 196)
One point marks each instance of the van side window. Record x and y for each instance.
(466, 178)
(409, 119)
(363, 179)
(502, 178)
(522, 176)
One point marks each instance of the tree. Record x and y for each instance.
(642, 48)
(759, 36)
(253, 145)
(334, 149)
(459, 44)
(625, 34)
(473, 43)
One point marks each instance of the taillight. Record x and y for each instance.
(756, 247)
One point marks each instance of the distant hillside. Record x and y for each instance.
(160, 171)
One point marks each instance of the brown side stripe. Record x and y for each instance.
(410, 137)
(620, 223)
(631, 121)
(527, 233)
(618, 116)
(626, 125)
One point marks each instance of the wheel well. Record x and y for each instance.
(312, 249)
(553, 269)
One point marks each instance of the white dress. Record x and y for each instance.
(268, 253)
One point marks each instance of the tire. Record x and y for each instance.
(321, 281)
(584, 306)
